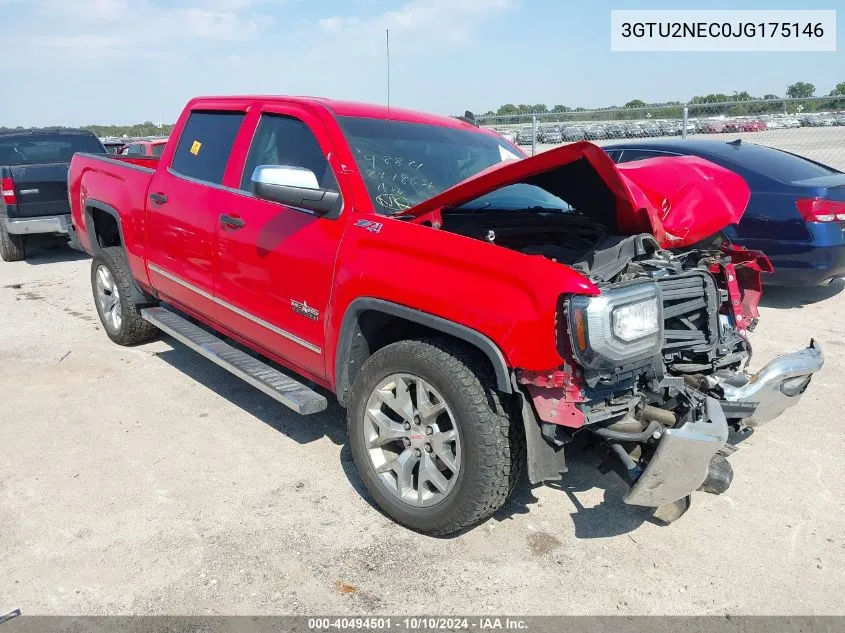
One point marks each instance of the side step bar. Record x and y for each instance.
(274, 383)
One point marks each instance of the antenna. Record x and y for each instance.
(387, 44)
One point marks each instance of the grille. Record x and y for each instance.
(690, 312)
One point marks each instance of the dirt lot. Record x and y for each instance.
(147, 480)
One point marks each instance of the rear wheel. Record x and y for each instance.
(12, 247)
(430, 437)
(112, 285)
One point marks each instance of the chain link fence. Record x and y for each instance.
(812, 127)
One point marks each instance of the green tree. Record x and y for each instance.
(838, 90)
(506, 109)
(800, 90)
(561, 108)
(770, 96)
(635, 103)
(539, 108)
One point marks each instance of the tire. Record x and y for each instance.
(491, 447)
(128, 327)
(12, 247)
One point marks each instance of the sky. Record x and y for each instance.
(79, 62)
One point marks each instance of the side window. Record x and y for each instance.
(135, 150)
(282, 140)
(629, 155)
(205, 145)
(614, 154)
(158, 149)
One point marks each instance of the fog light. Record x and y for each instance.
(794, 386)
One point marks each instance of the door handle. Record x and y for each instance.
(158, 198)
(231, 222)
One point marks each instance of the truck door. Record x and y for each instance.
(276, 262)
(182, 213)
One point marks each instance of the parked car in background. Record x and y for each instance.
(545, 303)
(712, 126)
(650, 129)
(596, 132)
(573, 133)
(615, 130)
(671, 128)
(796, 214)
(632, 130)
(525, 135)
(549, 134)
(755, 125)
(154, 147)
(814, 120)
(33, 173)
(113, 145)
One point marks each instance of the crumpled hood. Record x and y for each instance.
(680, 200)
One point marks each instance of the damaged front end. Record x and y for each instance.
(656, 367)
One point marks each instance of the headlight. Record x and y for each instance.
(621, 325)
(636, 320)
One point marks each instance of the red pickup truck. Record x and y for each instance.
(471, 308)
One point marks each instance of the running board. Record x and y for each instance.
(274, 383)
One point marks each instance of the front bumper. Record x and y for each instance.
(682, 460)
(45, 224)
(777, 386)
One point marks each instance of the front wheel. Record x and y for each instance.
(430, 438)
(112, 284)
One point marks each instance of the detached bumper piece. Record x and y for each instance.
(681, 463)
(777, 386)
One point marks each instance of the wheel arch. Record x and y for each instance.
(362, 333)
(98, 212)
(95, 211)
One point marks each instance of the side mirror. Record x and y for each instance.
(293, 186)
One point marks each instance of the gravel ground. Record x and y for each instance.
(147, 480)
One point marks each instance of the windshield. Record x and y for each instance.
(403, 164)
(518, 197)
(29, 149)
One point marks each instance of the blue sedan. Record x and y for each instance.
(796, 214)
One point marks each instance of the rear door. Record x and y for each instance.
(183, 204)
(38, 164)
(276, 262)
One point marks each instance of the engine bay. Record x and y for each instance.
(699, 336)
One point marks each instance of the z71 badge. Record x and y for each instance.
(371, 226)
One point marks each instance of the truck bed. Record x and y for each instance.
(113, 183)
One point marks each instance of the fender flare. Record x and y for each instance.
(476, 339)
(91, 204)
(139, 296)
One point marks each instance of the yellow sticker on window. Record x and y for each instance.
(196, 147)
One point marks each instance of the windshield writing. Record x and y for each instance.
(403, 164)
